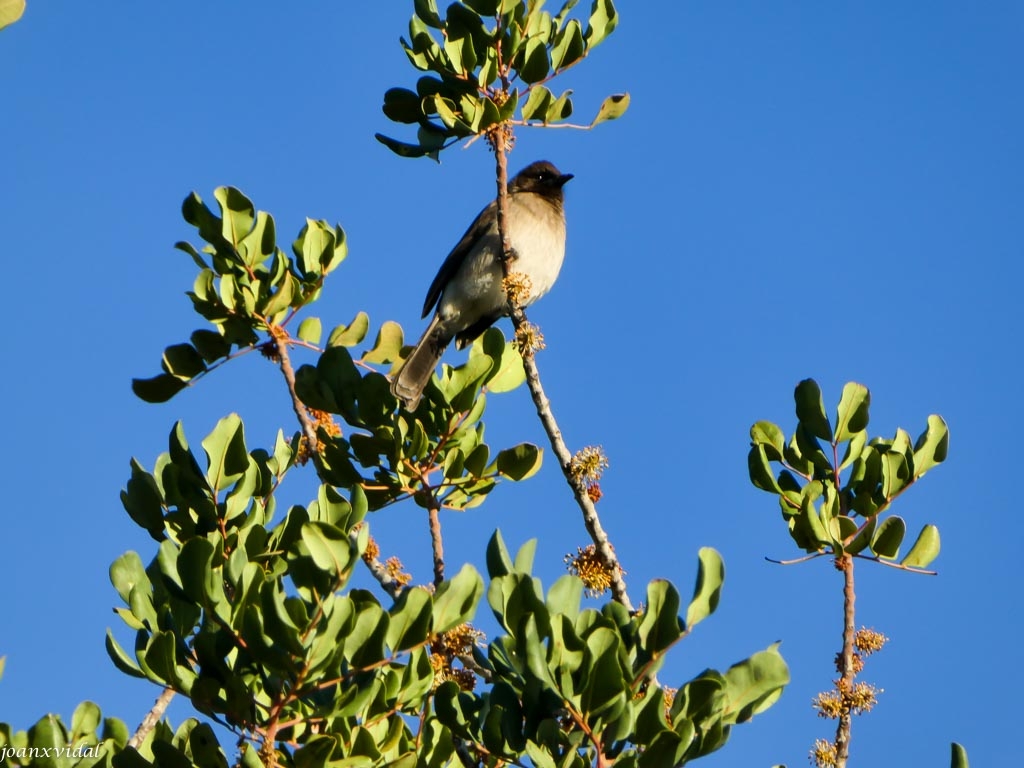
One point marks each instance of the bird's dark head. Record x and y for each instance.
(542, 178)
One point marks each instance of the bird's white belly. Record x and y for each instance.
(476, 291)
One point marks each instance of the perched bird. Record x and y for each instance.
(468, 293)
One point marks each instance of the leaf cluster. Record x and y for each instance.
(245, 286)
(488, 59)
(566, 681)
(824, 512)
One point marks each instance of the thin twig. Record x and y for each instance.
(846, 671)
(436, 542)
(152, 718)
(897, 566)
(804, 559)
(590, 517)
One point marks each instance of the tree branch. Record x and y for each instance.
(591, 519)
(846, 670)
(436, 542)
(152, 718)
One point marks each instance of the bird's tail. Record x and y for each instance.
(415, 372)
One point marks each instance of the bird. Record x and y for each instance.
(467, 295)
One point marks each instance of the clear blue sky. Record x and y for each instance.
(799, 189)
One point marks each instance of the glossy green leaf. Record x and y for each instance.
(183, 361)
(352, 334)
(210, 344)
(753, 685)
(410, 619)
(560, 109)
(612, 108)
(387, 347)
(760, 470)
(568, 47)
(499, 560)
(126, 573)
(520, 462)
(537, 103)
(603, 20)
(10, 11)
(958, 758)
(889, 537)
(310, 330)
(863, 538)
(85, 721)
(925, 549)
(535, 66)
(403, 105)
(403, 149)
(852, 415)
(708, 588)
(226, 453)
(455, 599)
(932, 446)
(329, 546)
(121, 660)
(659, 625)
(810, 409)
(771, 437)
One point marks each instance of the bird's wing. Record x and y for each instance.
(484, 221)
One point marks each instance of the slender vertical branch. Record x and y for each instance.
(152, 718)
(436, 542)
(846, 669)
(591, 520)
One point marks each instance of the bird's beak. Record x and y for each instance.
(563, 179)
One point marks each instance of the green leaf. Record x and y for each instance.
(560, 109)
(402, 149)
(403, 105)
(183, 361)
(520, 462)
(499, 560)
(10, 11)
(752, 686)
(889, 537)
(121, 659)
(126, 573)
(535, 66)
(932, 446)
(85, 721)
(760, 470)
(388, 346)
(210, 344)
(537, 103)
(568, 47)
(603, 20)
(659, 626)
(771, 437)
(427, 11)
(612, 108)
(352, 334)
(310, 330)
(925, 549)
(810, 409)
(959, 757)
(708, 589)
(237, 212)
(852, 415)
(455, 599)
(329, 546)
(158, 389)
(226, 453)
(410, 619)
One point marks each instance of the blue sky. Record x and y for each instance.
(799, 189)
